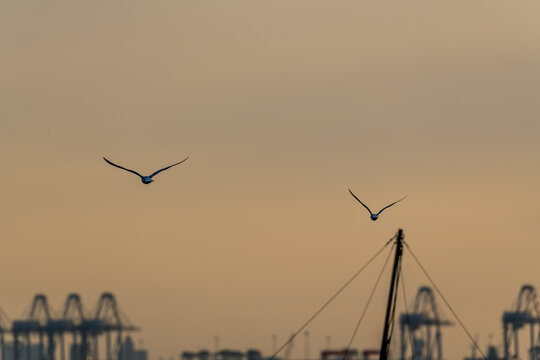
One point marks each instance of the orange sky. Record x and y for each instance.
(281, 106)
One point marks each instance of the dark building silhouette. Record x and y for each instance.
(34, 351)
(253, 354)
(492, 354)
(129, 352)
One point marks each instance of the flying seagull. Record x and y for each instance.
(375, 216)
(145, 179)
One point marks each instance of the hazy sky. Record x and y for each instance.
(282, 106)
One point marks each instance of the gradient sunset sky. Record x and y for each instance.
(282, 106)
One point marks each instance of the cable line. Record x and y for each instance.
(368, 302)
(291, 338)
(446, 302)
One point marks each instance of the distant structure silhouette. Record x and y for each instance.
(421, 328)
(145, 179)
(375, 216)
(52, 328)
(525, 312)
(128, 351)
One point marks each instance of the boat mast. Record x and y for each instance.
(391, 306)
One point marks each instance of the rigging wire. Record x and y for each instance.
(446, 302)
(368, 302)
(393, 311)
(291, 338)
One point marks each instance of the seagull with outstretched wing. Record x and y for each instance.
(145, 179)
(375, 216)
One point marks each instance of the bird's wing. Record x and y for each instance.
(360, 202)
(123, 168)
(387, 206)
(165, 168)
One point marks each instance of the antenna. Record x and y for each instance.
(392, 297)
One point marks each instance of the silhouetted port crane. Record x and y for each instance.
(525, 312)
(425, 315)
(110, 318)
(84, 329)
(74, 314)
(36, 323)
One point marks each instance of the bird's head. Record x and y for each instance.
(146, 180)
(374, 217)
